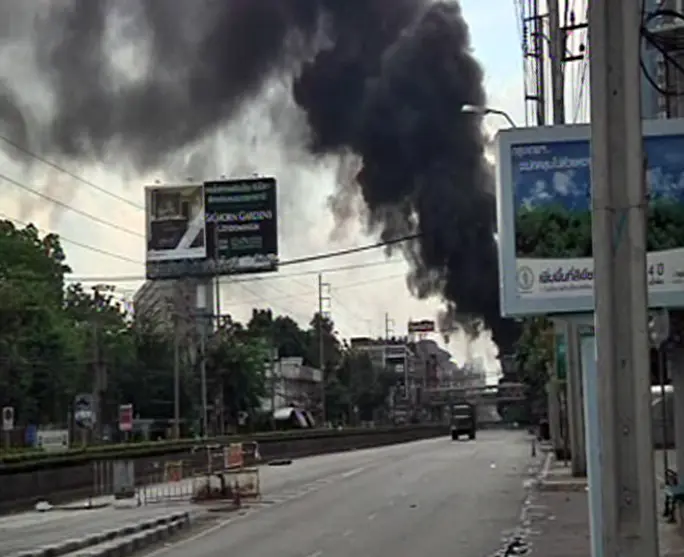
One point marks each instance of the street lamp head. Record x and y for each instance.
(473, 109)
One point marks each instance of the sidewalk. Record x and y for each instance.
(557, 518)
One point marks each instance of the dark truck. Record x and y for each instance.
(463, 420)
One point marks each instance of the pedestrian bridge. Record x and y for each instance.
(490, 394)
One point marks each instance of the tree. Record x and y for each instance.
(236, 366)
(38, 347)
(534, 357)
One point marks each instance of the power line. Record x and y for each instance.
(252, 279)
(296, 261)
(350, 251)
(71, 208)
(59, 168)
(77, 243)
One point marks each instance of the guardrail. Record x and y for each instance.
(69, 482)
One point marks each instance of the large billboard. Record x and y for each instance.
(176, 239)
(242, 225)
(544, 217)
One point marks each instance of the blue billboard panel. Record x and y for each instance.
(544, 211)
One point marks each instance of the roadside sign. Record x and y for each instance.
(8, 418)
(84, 412)
(53, 440)
(126, 417)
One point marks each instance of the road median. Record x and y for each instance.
(65, 479)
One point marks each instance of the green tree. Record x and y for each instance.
(39, 350)
(534, 358)
(236, 367)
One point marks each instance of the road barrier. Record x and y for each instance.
(22, 490)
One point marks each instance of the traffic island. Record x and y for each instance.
(119, 541)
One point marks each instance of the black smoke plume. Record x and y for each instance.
(384, 79)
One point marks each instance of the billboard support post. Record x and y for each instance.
(626, 479)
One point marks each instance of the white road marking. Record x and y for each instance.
(353, 472)
(315, 554)
(371, 516)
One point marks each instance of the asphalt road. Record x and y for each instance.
(429, 498)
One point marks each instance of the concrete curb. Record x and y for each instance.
(118, 541)
(570, 485)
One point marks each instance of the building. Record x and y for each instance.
(165, 301)
(291, 383)
(395, 354)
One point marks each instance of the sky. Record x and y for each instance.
(361, 301)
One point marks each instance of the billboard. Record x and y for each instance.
(176, 239)
(544, 217)
(242, 225)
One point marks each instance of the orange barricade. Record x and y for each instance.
(233, 456)
(173, 471)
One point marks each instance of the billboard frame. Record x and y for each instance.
(511, 303)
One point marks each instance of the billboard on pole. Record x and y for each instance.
(544, 217)
(242, 225)
(176, 235)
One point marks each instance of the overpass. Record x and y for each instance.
(487, 395)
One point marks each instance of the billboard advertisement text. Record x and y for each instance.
(242, 225)
(544, 217)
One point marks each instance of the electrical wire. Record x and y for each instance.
(252, 279)
(68, 207)
(73, 242)
(55, 166)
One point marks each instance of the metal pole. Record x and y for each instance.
(273, 382)
(538, 38)
(176, 378)
(556, 52)
(321, 346)
(203, 375)
(627, 484)
(663, 406)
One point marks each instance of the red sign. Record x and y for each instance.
(126, 417)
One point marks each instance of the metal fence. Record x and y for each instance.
(213, 473)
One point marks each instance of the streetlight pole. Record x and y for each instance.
(485, 110)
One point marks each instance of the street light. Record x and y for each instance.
(484, 110)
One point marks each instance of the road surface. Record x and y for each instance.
(429, 498)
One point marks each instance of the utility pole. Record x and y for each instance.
(623, 511)
(322, 298)
(533, 50)
(176, 377)
(556, 52)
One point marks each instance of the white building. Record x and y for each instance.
(292, 383)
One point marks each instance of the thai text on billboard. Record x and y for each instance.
(242, 225)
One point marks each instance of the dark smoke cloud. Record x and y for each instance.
(384, 79)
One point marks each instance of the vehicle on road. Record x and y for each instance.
(463, 420)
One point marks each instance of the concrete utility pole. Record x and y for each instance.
(322, 298)
(625, 523)
(176, 378)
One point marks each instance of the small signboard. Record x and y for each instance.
(84, 412)
(53, 440)
(8, 418)
(126, 417)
